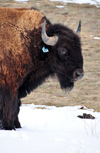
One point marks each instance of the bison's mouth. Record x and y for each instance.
(65, 83)
(67, 86)
(67, 80)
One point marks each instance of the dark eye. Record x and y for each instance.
(62, 51)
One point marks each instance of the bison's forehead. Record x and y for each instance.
(66, 37)
(72, 43)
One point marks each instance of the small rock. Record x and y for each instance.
(86, 116)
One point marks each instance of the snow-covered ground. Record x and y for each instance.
(21, 0)
(91, 2)
(24, 1)
(53, 130)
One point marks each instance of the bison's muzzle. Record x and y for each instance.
(77, 74)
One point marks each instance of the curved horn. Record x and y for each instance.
(79, 28)
(51, 41)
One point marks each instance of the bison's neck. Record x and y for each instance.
(34, 79)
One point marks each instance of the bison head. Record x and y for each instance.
(63, 49)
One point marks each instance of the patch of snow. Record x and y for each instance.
(21, 0)
(60, 6)
(92, 2)
(24, 1)
(96, 37)
(53, 129)
(91, 35)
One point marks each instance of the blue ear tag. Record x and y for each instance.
(45, 50)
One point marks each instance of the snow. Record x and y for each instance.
(24, 1)
(92, 2)
(21, 0)
(53, 130)
(60, 6)
(98, 38)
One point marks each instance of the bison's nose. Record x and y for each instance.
(78, 74)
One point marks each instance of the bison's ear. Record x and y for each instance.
(42, 56)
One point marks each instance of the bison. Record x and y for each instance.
(32, 49)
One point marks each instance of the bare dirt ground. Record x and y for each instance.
(86, 91)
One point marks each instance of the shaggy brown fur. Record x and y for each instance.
(15, 60)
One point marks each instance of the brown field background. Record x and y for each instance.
(86, 91)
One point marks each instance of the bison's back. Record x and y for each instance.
(15, 25)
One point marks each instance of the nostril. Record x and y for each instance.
(79, 75)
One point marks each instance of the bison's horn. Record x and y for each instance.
(51, 41)
(79, 28)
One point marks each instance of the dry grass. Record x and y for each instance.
(86, 91)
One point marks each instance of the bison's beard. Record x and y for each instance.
(65, 83)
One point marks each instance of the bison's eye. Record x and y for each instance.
(62, 51)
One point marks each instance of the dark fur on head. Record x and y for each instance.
(63, 65)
